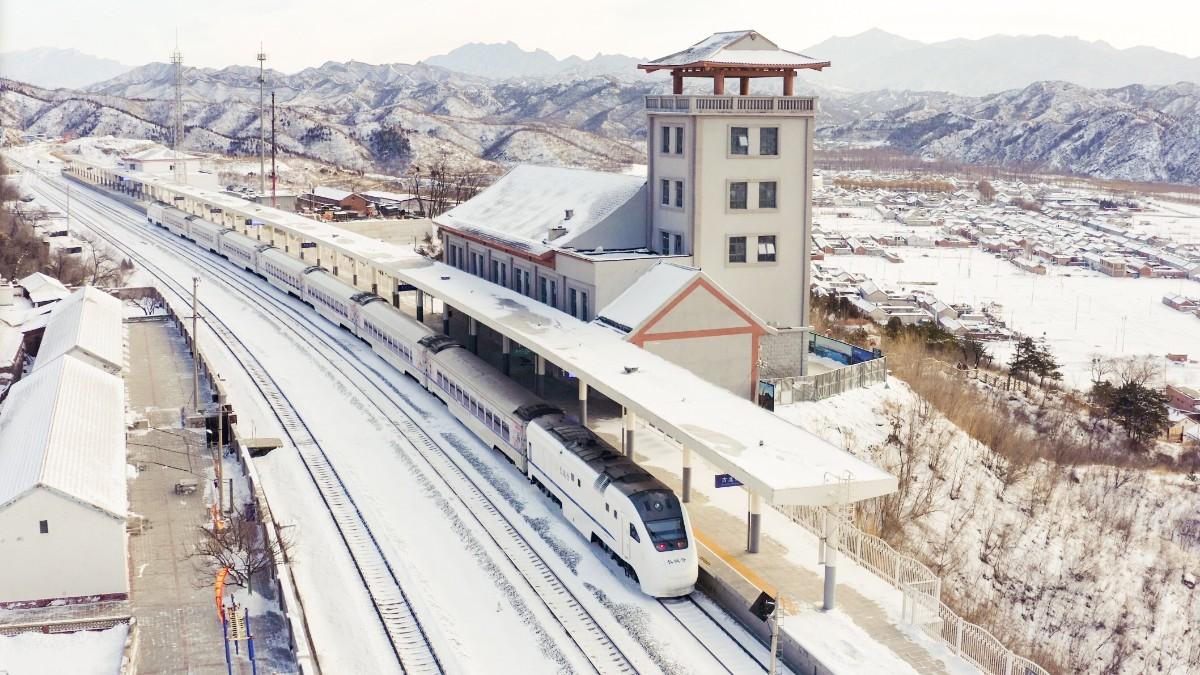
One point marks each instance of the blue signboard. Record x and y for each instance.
(725, 480)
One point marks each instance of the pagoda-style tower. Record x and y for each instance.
(730, 176)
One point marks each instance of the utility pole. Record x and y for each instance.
(274, 176)
(195, 347)
(220, 457)
(262, 127)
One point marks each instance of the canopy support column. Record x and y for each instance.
(472, 335)
(539, 374)
(396, 294)
(630, 418)
(754, 522)
(506, 355)
(583, 400)
(687, 474)
(420, 306)
(829, 546)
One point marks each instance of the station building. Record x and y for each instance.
(727, 193)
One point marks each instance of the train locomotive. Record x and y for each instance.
(632, 516)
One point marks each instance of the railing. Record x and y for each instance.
(922, 606)
(823, 385)
(731, 104)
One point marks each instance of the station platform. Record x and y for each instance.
(177, 620)
(865, 626)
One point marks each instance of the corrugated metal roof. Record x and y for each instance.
(88, 321)
(739, 47)
(43, 288)
(63, 429)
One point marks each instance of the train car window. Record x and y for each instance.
(579, 482)
(633, 534)
(488, 418)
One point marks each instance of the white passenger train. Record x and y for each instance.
(630, 514)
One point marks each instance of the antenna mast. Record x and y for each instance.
(177, 133)
(262, 127)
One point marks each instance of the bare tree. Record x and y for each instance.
(440, 186)
(100, 266)
(241, 546)
(148, 304)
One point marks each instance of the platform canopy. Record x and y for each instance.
(779, 461)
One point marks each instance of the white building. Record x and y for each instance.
(86, 325)
(728, 191)
(62, 486)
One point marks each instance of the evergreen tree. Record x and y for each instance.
(1140, 410)
(1024, 359)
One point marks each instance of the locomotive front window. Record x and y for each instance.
(668, 534)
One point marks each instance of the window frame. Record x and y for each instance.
(664, 147)
(664, 188)
(679, 194)
(760, 142)
(678, 133)
(745, 201)
(758, 245)
(774, 195)
(732, 147)
(729, 254)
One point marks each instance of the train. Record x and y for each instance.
(629, 514)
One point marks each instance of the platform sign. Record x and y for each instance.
(725, 480)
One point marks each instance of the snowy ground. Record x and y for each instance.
(1085, 563)
(81, 653)
(1081, 313)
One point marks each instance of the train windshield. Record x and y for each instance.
(663, 517)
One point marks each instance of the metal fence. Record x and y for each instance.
(823, 385)
(921, 590)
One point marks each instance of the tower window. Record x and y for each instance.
(678, 140)
(739, 140)
(766, 249)
(665, 146)
(665, 188)
(679, 244)
(766, 194)
(679, 193)
(737, 249)
(44, 526)
(737, 195)
(666, 243)
(768, 141)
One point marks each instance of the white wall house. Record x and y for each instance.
(62, 486)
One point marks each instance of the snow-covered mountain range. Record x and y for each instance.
(386, 117)
(50, 67)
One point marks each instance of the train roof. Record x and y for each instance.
(610, 465)
(285, 261)
(385, 316)
(505, 394)
(325, 280)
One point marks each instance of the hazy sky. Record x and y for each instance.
(300, 33)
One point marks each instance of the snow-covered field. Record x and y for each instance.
(1080, 312)
(81, 653)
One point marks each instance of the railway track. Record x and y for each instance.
(408, 638)
(597, 646)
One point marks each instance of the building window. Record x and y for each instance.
(495, 271)
(665, 146)
(768, 141)
(737, 195)
(766, 194)
(737, 249)
(739, 140)
(583, 305)
(766, 249)
(573, 302)
(542, 289)
(679, 244)
(666, 243)
(504, 275)
(665, 186)
(678, 140)
(679, 193)
(44, 526)
(553, 294)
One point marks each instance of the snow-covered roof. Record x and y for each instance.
(735, 48)
(10, 345)
(530, 200)
(63, 429)
(43, 288)
(158, 154)
(380, 195)
(645, 296)
(88, 324)
(335, 194)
